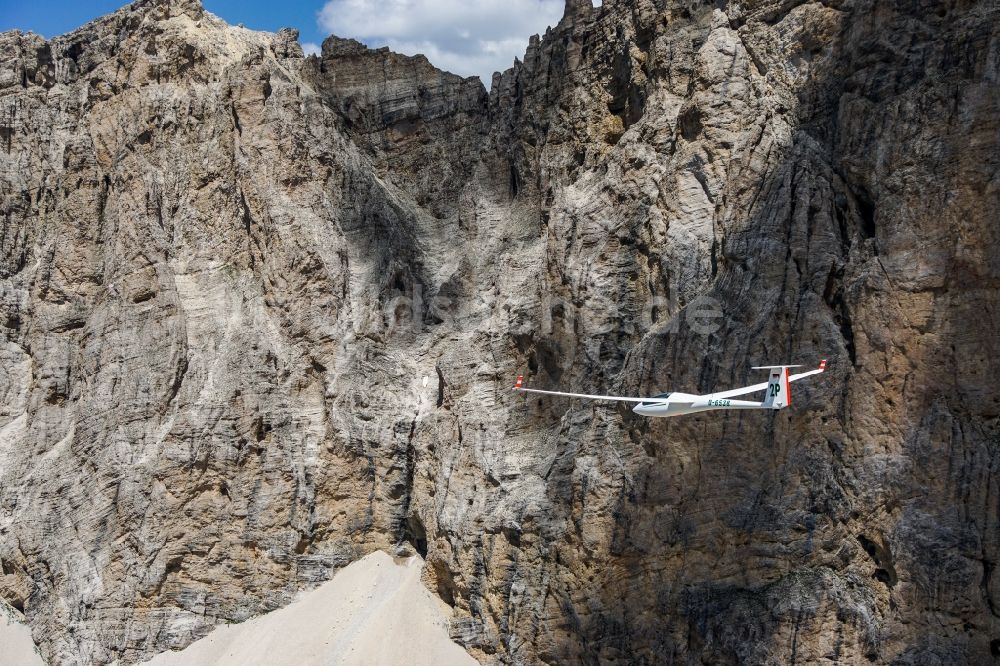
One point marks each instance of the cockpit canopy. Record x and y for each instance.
(650, 404)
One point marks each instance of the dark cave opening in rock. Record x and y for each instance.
(415, 532)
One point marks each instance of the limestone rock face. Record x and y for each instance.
(261, 314)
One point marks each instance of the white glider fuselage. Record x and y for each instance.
(685, 403)
(777, 395)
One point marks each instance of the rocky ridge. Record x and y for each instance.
(261, 313)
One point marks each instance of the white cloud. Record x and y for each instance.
(311, 48)
(467, 37)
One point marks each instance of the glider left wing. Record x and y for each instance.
(763, 385)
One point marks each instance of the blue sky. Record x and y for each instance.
(468, 37)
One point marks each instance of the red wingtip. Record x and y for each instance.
(822, 364)
(520, 382)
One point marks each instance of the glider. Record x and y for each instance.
(778, 395)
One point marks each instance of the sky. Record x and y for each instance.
(467, 37)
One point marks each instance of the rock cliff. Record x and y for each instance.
(261, 314)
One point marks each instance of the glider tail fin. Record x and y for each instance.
(779, 390)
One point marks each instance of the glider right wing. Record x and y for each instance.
(519, 386)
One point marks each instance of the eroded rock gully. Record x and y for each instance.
(228, 269)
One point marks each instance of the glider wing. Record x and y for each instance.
(763, 385)
(519, 386)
